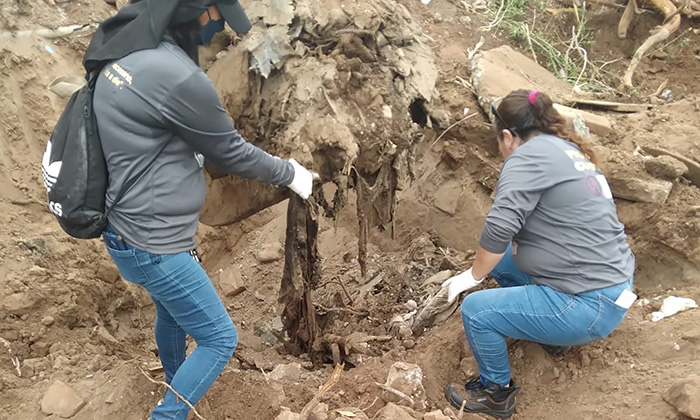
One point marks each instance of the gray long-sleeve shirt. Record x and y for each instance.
(160, 99)
(557, 209)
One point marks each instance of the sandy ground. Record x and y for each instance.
(66, 314)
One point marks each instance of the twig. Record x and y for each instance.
(308, 408)
(450, 127)
(461, 410)
(369, 406)
(496, 20)
(396, 392)
(267, 379)
(350, 310)
(14, 359)
(194, 410)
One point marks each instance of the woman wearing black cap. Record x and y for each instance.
(159, 119)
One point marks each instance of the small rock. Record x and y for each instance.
(561, 378)
(392, 412)
(684, 395)
(61, 400)
(290, 372)
(259, 296)
(435, 415)
(37, 271)
(555, 372)
(287, 414)
(596, 353)
(454, 53)
(320, 412)
(585, 359)
(107, 272)
(665, 167)
(641, 190)
(40, 349)
(35, 366)
(344, 413)
(409, 344)
(406, 378)
(269, 253)
(667, 95)
(411, 304)
(231, 283)
(48, 320)
(386, 112)
(440, 117)
(18, 304)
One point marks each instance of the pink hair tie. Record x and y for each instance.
(533, 97)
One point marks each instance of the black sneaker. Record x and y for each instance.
(555, 351)
(490, 399)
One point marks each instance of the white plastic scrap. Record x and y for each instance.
(671, 306)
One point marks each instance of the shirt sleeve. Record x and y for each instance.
(194, 112)
(520, 186)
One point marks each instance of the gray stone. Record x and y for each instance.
(290, 372)
(18, 304)
(107, 272)
(393, 412)
(269, 253)
(665, 167)
(40, 349)
(684, 395)
(287, 414)
(61, 400)
(406, 378)
(231, 283)
(497, 72)
(642, 190)
(47, 320)
(435, 415)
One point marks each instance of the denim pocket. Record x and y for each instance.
(128, 265)
(608, 318)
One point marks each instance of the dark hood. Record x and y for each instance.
(142, 24)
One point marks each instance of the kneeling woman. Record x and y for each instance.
(553, 242)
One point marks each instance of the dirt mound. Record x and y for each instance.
(346, 89)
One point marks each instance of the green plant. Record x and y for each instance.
(684, 42)
(567, 58)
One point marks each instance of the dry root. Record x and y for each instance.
(671, 23)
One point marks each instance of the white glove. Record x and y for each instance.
(303, 181)
(460, 283)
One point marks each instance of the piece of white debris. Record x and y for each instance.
(671, 306)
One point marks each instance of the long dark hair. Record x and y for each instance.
(187, 36)
(527, 112)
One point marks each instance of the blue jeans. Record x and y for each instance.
(186, 303)
(522, 310)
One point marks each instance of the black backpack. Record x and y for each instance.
(75, 171)
(74, 168)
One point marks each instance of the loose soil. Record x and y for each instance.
(66, 314)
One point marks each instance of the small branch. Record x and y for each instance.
(369, 406)
(308, 408)
(14, 359)
(349, 310)
(396, 392)
(450, 127)
(626, 19)
(194, 410)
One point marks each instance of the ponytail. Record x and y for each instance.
(531, 111)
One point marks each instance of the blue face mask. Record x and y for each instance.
(209, 29)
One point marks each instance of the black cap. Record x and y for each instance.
(234, 15)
